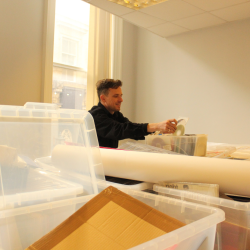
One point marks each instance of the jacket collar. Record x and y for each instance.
(101, 106)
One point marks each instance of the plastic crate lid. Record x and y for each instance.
(30, 135)
(39, 105)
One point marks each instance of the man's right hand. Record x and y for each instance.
(166, 127)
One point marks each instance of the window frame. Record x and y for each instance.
(104, 51)
(48, 48)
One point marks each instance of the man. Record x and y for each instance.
(112, 126)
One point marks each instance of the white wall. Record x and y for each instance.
(21, 39)
(203, 75)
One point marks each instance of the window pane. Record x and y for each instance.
(71, 60)
(64, 45)
(71, 53)
(73, 47)
(65, 59)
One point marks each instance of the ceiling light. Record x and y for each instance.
(137, 4)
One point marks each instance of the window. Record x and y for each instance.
(70, 53)
(82, 52)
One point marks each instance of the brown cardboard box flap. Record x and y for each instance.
(111, 220)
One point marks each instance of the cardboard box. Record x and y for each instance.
(111, 220)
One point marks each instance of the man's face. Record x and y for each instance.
(112, 102)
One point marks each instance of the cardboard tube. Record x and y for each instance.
(70, 158)
(231, 175)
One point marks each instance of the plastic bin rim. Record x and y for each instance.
(170, 200)
(204, 198)
(46, 111)
(40, 207)
(190, 230)
(156, 198)
(212, 219)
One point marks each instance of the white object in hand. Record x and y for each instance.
(181, 123)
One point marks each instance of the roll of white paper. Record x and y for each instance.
(70, 158)
(77, 159)
(80, 164)
(231, 175)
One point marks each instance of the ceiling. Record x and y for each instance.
(178, 16)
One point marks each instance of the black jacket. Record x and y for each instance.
(111, 128)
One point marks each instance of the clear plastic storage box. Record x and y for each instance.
(51, 165)
(140, 147)
(234, 232)
(186, 144)
(27, 137)
(20, 227)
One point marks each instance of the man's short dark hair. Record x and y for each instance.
(104, 85)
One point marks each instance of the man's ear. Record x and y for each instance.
(102, 98)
